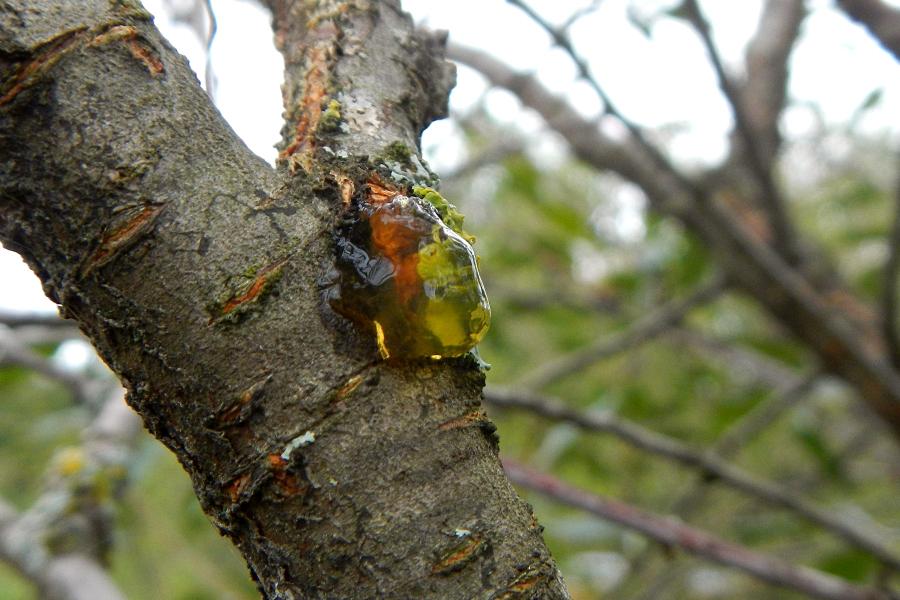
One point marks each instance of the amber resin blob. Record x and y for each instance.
(406, 276)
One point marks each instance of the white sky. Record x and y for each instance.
(661, 81)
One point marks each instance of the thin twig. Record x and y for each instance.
(889, 291)
(13, 352)
(651, 326)
(561, 39)
(208, 73)
(199, 17)
(710, 465)
(579, 14)
(690, 539)
(726, 446)
(744, 364)
(22, 319)
(771, 199)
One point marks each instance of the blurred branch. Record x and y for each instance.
(39, 328)
(675, 534)
(37, 335)
(760, 153)
(762, 95)
(889, 291)
(561, 39)
(651, 326)
(21, 319)
(728, 444)
(599, 150)
(555, 298)
(707, 462)
(882, 21)
(68, 509)
(199, 17)
(67, 577)
(847, 346)
(766, 412)
(13, 352)
(494, 154)
(650, 588)
(580, 13)
(739, 361)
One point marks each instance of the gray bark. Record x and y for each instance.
(193, 266)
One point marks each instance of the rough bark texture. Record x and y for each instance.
(193, 268)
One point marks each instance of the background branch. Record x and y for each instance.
(707, 462)
(761, 96)
(743, 363)
(651, 152)
(882, 21)
(891, 276)
(645, 329)
(14, 352)
(677, 535)
(759, 139)
(726, 447)
(21, 319)
(847, 347)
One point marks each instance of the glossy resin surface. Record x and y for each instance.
(410, 279)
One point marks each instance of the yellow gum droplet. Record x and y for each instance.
(404, 273)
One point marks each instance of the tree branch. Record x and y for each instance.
(675, 534)
(384, 97)
(20, 319)
(848, 347)
(67, 577)
(882, 21)
(708, 463)
(726, 446)
(759, 136)
(740, 361)
(891, 276)
(651, 326)
(13, 352)
(651, 152)
(193, 268)
(762, 94)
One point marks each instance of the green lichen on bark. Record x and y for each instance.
(450, 215)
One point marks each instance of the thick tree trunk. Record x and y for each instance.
(193, 267)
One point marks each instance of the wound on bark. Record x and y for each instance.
(133, 225)
(459, 555)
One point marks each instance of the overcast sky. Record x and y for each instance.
(657, 81)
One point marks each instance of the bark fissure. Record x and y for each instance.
(193, 268)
